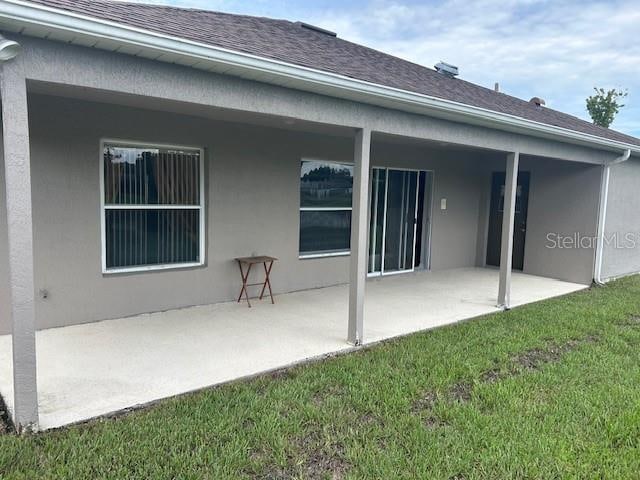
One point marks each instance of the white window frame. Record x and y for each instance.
(104, 208)
(346, 253)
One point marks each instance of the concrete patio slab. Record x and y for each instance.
(90, 370)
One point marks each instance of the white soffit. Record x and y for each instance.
(40, 21)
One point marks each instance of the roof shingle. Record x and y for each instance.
(289, 42)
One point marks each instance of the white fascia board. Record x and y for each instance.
(26, 13)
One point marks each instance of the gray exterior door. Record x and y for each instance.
(495, 219)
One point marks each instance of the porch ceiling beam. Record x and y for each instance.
(508, 223)
(359, 236)
(55, 65)
(15, 122)
(69, 26)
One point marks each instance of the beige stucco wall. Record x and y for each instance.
(563, 201)
(621, 254)
(5, 294)
(147, 82)
(458, 178)
(64, 142)
(252, 178)
(252, 207)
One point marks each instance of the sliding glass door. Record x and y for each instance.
(394, 218)
(376, 230)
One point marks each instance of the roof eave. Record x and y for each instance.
(63, 22)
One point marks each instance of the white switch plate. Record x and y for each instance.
(443, 204)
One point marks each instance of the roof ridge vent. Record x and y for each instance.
(538, 102)
(447, 69)
(324, 31)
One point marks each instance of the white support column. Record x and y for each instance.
(508, 221)
(359, 231)
(15, 121)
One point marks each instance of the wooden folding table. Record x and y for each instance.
(267, 262)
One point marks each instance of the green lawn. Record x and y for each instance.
(550, 390)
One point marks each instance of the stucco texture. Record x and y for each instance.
(252, 200)
(110, 73)
(621, 254)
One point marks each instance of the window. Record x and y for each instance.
(326, 189)
(153, 212)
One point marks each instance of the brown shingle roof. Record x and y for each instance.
(289, 42)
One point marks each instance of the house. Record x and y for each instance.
(145, 147)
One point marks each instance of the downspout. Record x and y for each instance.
(602, 213)
(8, 49)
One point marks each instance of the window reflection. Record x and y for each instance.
(152, 206)
(324, 184)
(151, 176)
(326, 190)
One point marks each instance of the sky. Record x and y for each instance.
(558, 50)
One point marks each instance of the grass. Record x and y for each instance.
(549, 390)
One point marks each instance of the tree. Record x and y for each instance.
(604, 105)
